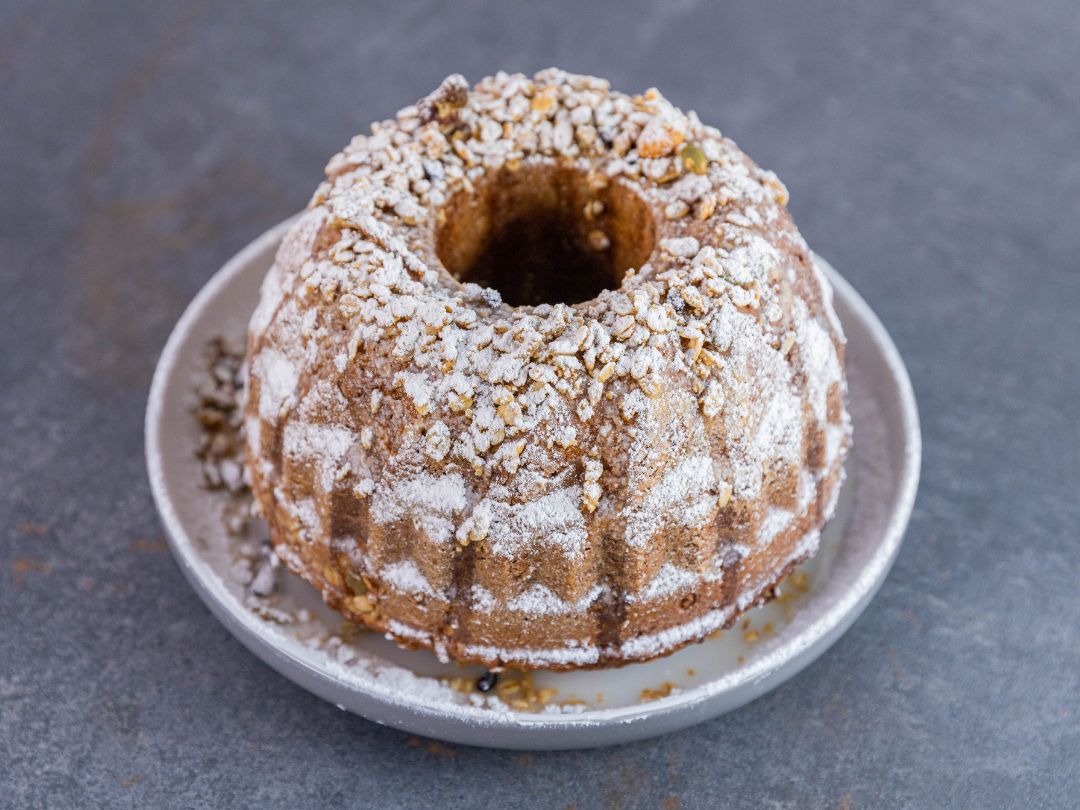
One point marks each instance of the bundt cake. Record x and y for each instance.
(545, 376)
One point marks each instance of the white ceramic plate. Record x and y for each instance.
(410, 690)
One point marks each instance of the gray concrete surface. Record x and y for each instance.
(933, 154)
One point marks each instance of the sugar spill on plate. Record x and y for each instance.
(283, 621)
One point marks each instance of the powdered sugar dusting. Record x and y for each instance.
(325, 445)
(540, 601)
(295, 250)
(430, 501)
(537, 658)
(646, 645)
(482, 600)
(822, 363)
(668, 580)
(278, 376)
(554, 520)
(774, 522)
(406, 577)
(685, 496)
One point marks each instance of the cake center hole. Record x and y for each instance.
(544, 235)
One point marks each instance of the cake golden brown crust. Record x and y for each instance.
(545, 377)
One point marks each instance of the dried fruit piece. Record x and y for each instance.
(658, 138)
(487, 681)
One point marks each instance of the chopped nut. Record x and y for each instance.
(676, 210)
(686, 247)
(657, 139)
(705, 208)
(510, 413)
(693, 298)
(567, 437)
(438, 441)
(362, 604)
(713, 401)
(624, 325)
(598, 240)
(543, 101)
(333, 576)
(356, 583)
(787, 342)
(349, 304)
(662, 691)
(723, 497)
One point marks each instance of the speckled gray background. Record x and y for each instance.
(933, 155)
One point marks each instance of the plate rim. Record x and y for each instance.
(665, 714)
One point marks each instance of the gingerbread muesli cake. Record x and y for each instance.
(545, 376)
